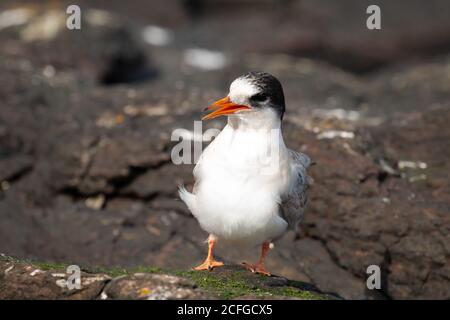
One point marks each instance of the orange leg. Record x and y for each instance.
(259, 267)
(209, 262)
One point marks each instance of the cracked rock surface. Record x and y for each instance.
(28, 280)
(85, 164)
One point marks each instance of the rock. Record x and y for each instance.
(26, 280)
(86, 173)
(419, 246)
(246, 284)
(153, 287)
(125, 61)
(15, 161)
(318, 264)
(334, 32)
(19, 280)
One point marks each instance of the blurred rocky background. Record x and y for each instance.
(86, 118)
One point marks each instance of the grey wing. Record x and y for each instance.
(293, 203)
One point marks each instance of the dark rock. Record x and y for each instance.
(125, 61)
(14, 158)
(20, 280)
(25, 280)
(334, 32)
(88, 171)
(153, 287)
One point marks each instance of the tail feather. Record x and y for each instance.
(187, 197)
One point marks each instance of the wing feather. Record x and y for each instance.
(293, 203)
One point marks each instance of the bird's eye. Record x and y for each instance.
(259, 97)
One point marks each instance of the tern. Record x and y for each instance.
(249, 187)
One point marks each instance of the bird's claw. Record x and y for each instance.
(208, 265)
(256, 268)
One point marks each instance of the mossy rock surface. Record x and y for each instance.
(234, 281)
(42, 280)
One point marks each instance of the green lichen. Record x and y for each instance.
(117, 271)
(112, 272)
(46, 266)
(40, 265)
(225, 288)
(303, 294)
(148, 270)
(235, 284)
(227, 283)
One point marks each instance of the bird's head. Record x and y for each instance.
(255, 94)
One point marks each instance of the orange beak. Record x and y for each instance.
(222, 107)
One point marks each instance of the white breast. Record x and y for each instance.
(239, 181)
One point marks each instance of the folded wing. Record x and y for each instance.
(294, 201)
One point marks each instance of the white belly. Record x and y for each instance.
(237, 196)
(238, 212)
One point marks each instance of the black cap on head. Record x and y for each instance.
(271, 93)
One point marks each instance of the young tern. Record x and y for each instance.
(249, 187)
